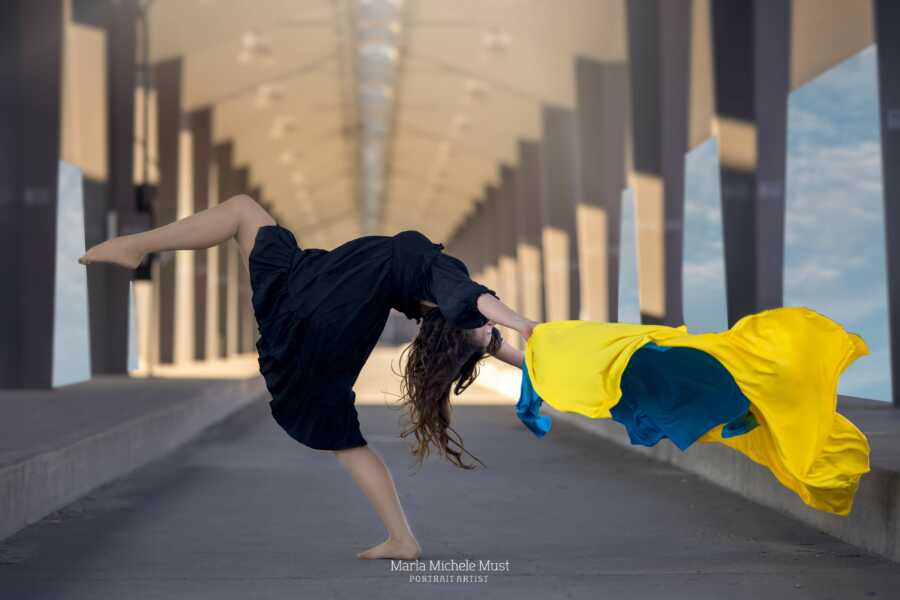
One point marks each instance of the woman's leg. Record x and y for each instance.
(372, 475)
(239, 217)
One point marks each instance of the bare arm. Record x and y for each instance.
(510, 354)
(499, 313)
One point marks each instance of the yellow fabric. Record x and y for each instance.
(787, 361)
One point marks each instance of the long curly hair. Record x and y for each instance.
(441, 357)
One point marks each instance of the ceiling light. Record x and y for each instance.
(268, 93)
(255, 48)
(476, 89)
(495, 39)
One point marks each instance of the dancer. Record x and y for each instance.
(320, 314)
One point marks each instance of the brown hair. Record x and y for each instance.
(440, 355)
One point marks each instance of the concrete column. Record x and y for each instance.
(248, 339)
(529, 242)
(601, 90)
(214, 342)
(233, 274)
(200, 122)
(476, 225)
(508, 237)
(560, 243)
(119, 22)
(242, 184)
(751, 64)
(167, 82)
(222, 154)
(184, 259)
(490, 233)
(887, 24)
(31, 53)
(659, 60)
(84, 131)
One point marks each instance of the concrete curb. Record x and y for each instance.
(872, 522)
(40, 484)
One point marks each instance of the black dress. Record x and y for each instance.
(321, 312)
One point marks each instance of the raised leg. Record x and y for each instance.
(373, 477)
(239, 217)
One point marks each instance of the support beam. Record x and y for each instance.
(659, 43)
(242, 186)
(508, 263)
(887, 24)
(751, 57)
(529, 244)
(167, 81)
(601, 91)
(560, 243)
(31, 53)
(222, 155)
(200, 123)
(491, 243)
(119, 22)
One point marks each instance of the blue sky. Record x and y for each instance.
(835, 246)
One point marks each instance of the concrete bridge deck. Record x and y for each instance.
(242, 511)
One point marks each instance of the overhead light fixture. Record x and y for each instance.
(282, 125)
(287, 157)
(255, 48)
(495, 39)
(268, 93)
(476, 89)
(461, 123)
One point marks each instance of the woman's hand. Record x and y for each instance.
(528, 328)
(499, 313)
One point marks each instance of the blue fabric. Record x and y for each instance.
(528, 408)
(680, 394)
(667, 392)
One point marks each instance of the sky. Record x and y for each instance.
(834, 223)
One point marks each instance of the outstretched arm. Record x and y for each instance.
(496, 311)
(510, 354)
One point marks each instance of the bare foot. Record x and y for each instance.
(116, 251)
(402, 550)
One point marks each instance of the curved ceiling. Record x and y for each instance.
(292, 85)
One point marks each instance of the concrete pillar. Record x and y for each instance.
(476, 225)
(490, 233)
(200, 123)
(887, 24)
(601, 90)
(249, 331)
(31, 53)
(184, 259)
(84, 126)
(529, 242)
(167, 82)
(222, 154)
(243, 278)
(751, 58)
(233, 274)
(560, 243)
(121, 49)
(659, 60)
(508, 237)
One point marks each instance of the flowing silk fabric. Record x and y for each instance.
(786, 361)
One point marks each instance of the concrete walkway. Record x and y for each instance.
(245, 512)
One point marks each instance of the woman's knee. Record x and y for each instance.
(243, 202)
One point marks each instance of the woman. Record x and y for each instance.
(320, 314)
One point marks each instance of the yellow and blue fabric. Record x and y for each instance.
(679, 396)
(766, 387)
